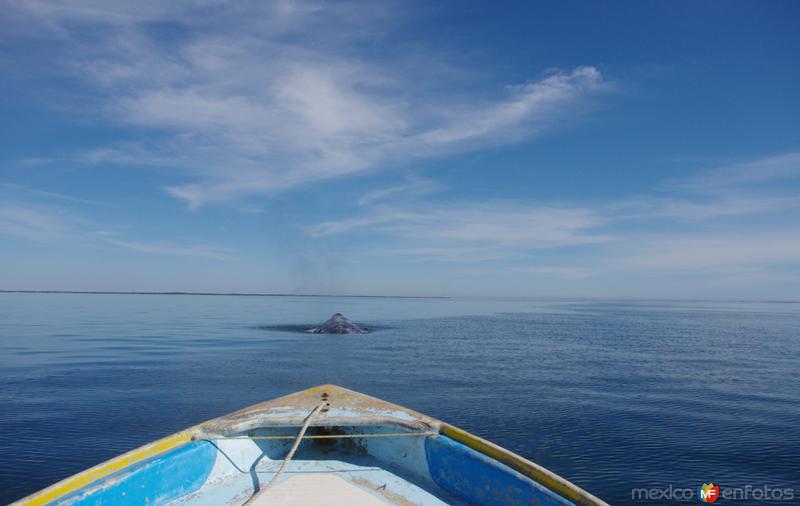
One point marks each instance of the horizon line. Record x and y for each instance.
(234, 294)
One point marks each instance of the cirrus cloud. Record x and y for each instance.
(250, 101)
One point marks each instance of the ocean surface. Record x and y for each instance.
(613, 395)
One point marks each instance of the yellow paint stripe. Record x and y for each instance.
(533, 471)
(77, 481)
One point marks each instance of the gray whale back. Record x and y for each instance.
(338, 324)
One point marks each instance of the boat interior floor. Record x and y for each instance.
(360, 480)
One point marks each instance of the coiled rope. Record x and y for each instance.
(289, 455)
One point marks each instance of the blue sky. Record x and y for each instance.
(637, 149)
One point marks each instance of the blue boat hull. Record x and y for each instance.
(357, 450)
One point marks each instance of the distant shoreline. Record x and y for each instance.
(232, 294)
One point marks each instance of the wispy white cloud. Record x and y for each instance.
(315, 124)
(748, 173)
(722, 233)
(535, 270)
(170, 248)
(723, 204)
(717, 252)
(704, 208)
(413, 186)
(10, 188)
(498, 224)
(53, 223)
(531, 106)
(752, 187)
(449, 253)
(32, 222)
(282, 94)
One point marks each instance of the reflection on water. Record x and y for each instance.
(612, 395)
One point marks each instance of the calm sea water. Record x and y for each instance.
(611, 395)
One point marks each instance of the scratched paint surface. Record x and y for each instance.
(611, 395)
